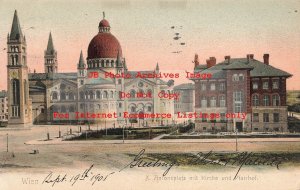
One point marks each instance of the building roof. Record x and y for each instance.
(81, 63)
(3, 94)
(16, 32)
(134, 74)
(185, 86)
(260, 69)
(200, 67)
(98, 80)
(257, 68)
(50, 47)
(51, 76)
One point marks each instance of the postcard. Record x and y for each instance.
(138, 94)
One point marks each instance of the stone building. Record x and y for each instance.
(186, 101)
(92, 94)
(241, 86)
(3, 106)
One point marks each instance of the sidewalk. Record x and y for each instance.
(56, 141)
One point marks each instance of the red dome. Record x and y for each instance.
(104, 23)
(104, 45)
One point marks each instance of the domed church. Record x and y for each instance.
(93, 94)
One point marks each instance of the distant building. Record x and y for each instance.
(186, 101)
(241, 85)
(3, 106)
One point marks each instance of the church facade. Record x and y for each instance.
(93, 94)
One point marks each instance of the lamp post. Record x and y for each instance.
(236, 140)
(6, 142)
(105, 127)
(123, 134)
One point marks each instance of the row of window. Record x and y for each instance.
(238, 77)
(213, 102)
(266, 117)
(265, 85)
(83, 95)
(265, 101)
(212, 86)
(63, 96)
(107, 63)
(4, 117)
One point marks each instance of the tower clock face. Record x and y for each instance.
(13, 74)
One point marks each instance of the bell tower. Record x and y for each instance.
(50, 57)
(19, 106)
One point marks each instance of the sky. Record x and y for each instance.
(143, 28)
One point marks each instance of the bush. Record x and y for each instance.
(187, 128)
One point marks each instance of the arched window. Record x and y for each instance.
(203, 102)
(98, 94)
(71, 96)
(266, 100)
(213, 101)
(241, 77)
(275, 100)
(91, 95)
(235, 77)
(149, 92)
(255, 100)
(149, 108)
(54, 96)
(81, 106)
(141, 91)
(12, 60)
(16, 91)
(212, 86)
(111, 94)
(16, 59)
(25, 91)
(99, 106)
(86, 95)
(105, 94)
(71, 109)
(132, 109)
(81, 94)
(62, 96)
(222, 101)
(63, 109)
(132, 93)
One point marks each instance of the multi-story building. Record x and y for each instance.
(185, 101)
(243, 93)
(3, 106)
(93, 93)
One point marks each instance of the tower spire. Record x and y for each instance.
(81, 63)
(157, 67)
(50, 47)
(16, 32)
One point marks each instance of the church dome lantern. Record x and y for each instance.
(104, 44)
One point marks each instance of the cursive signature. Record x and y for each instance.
(141, 161)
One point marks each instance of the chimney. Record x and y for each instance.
(211, 62)
(227, 58)
(196, 60)
(266, 59)
(249, 57)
